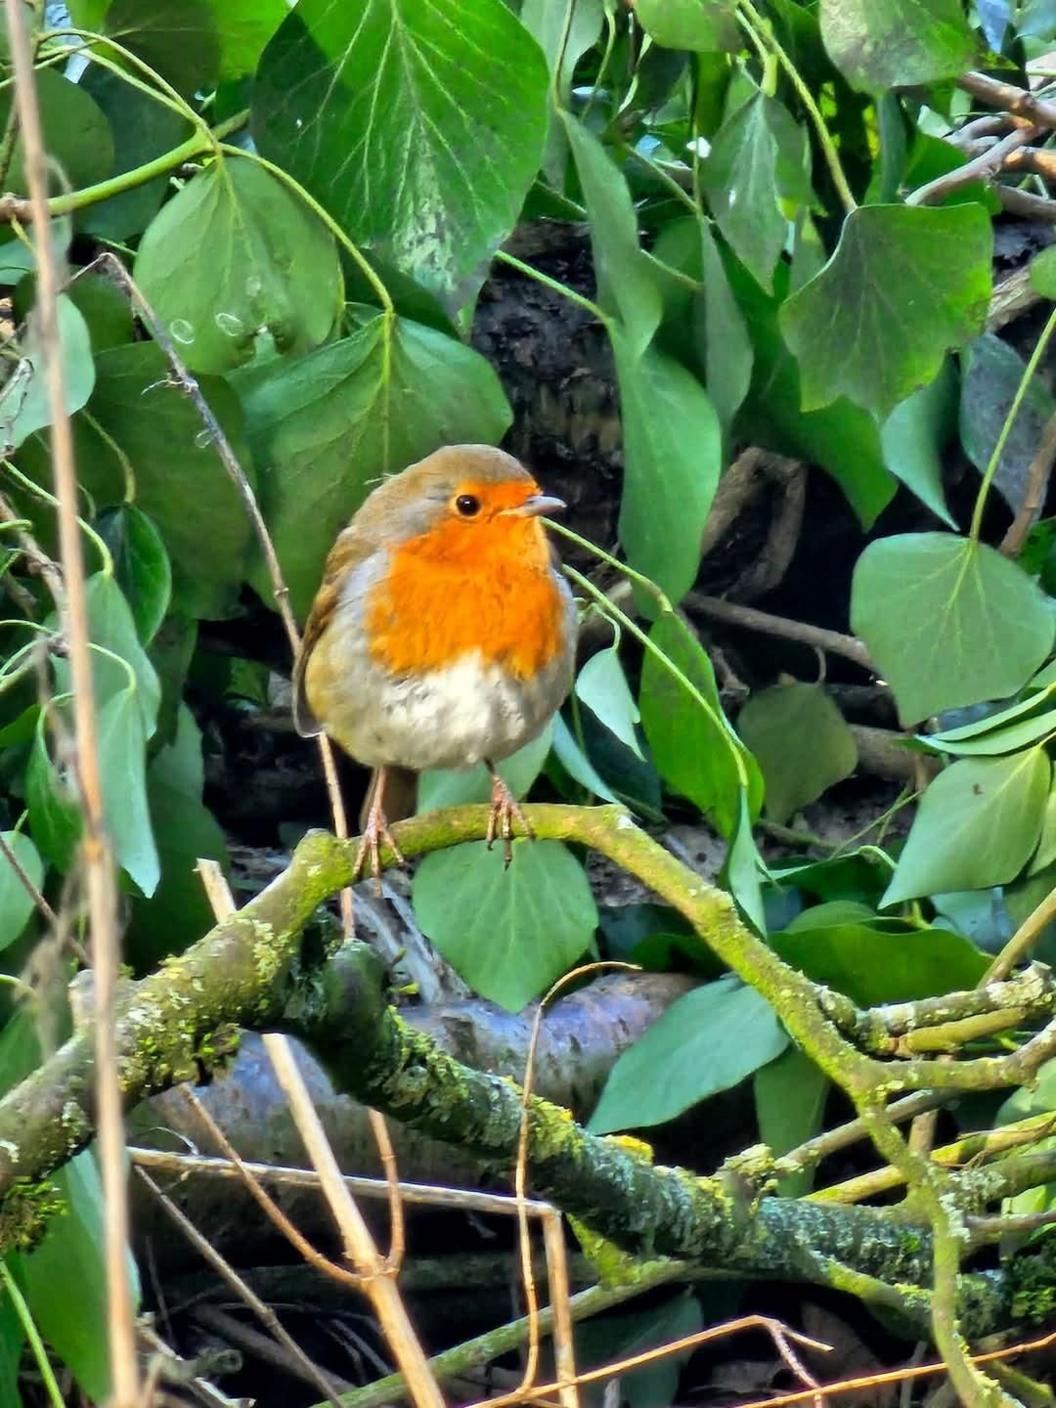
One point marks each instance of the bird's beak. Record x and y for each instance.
(537, 505)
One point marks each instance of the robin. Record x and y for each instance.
(443, 634)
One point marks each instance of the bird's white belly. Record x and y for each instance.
(448, 718)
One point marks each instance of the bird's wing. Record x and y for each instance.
(353, 546)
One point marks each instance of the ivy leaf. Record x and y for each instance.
(576, 763)
(915, 435)
(564, 45)
(175, 38)
(775, 418)
(626, 284)
(878, 44)
(694, 750)
(672, 447)
(756, 146)
(602, 686)
(70, 1254)
(790, 1098)
(420, 144)
(77, 136)
(687, 1055)
(977, 825)
(452, 787)
(141, 566)
(948, 622)
(113, 628)
(16, 904)
(142, 129)
(276, 268)
(24, 405)
(54, 817)
(141, 429)
(874, 963)
(509, 933)
(329, 424)
(826, 752)
(701, 25)
(848, 335)
(992, 375)
(123, 765)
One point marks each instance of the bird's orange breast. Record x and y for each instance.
(459, 589)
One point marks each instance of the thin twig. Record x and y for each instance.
(1034, 496)
(95, 851)
(245, 1292)
(979, 168)
(1022, 941)
(26, 881)
(749, 618)
(378, 1282)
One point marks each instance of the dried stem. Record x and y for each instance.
(95, 850)
(730, 613)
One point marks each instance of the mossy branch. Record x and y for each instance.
(251, 971)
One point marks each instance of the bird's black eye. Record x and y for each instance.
(468, 505)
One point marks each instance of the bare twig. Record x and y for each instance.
(1025, 203)
(378, 1282)
(1022, 941)
(1034, 496)
(980, 168)
(99, 879)
(230, 1276)
(750, 619)
(1009, 98)
(26, 881)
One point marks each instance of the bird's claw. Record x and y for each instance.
(505, 808)
(375, 834)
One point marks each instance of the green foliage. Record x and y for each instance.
(527, 925)
(795, 776)
(687, 1055)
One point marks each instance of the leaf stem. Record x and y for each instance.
(760, 31)
(556, 285)
(36, 1344)
(1006, 429)
(33, 488)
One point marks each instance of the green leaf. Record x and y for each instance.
(790, 1098)
(12, 1338)
(509, 933)
(1043, 273)
(141, 566)
(140, 428)
(328, 425)
(576, 763)
(104, 308)
(421, 142)
(77, 136)
(842, 326)
(878, 44)
(451, 787)
(1044, 856)
(275, 266)
(602, 686)
(915, 435)
(745, 178)
(565, 45)
(707, 1041)
(184, 829)
(672, 448)
(113, 627)
(701, 25)
(54, 817)
(992, 375)
(947, 621)
(774, 417)
(825, 751)
(744, 869)
(611, 1337)
(694, 749)
(24, 405)
(626, 283)
(65, 1278)
(872, 965)
(998, 740)
(977, 825)
(16, 904)
(123, 765)
(143, 129)
(244, 28)
(175, 38)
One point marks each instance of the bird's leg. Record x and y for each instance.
(375, 832)
(504, 808)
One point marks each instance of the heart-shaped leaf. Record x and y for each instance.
(279, 268)
(421, 144)
(840, 324)
(878, 44)
(948, 622)
(825, 753)
(509, 933)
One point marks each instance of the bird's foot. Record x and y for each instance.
(505, 808)
(375, 834)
